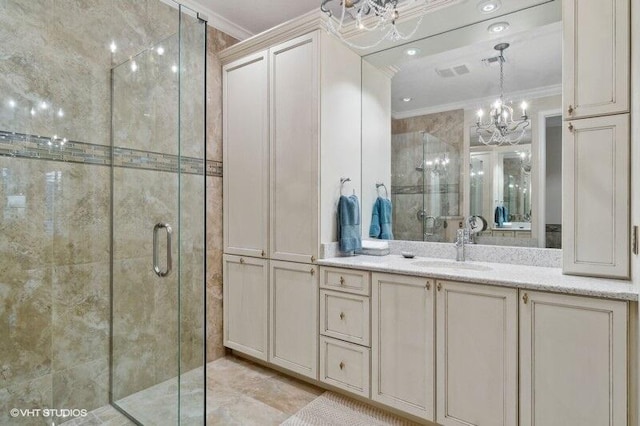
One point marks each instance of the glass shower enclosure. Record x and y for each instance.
(158, 228)
(102, 150)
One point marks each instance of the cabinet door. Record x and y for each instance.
(596, 57)
(246, 156)
(294, 118)
(573, 361)
(246, 305)
(402, 346)
(595, 178)
(477, 355)
(294, 317)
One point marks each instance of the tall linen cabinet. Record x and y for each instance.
(291, 117)
(596, 138)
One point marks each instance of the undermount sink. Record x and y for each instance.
(451, 265)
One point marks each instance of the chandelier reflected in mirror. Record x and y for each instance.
(366, 15)
(500, 127)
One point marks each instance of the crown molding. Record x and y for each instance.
(389, 71)
(303, 24)
(214, 19)
(221, 23)
(539, 92)
(316, 19)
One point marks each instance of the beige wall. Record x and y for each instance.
(216, 42)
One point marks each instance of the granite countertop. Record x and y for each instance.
(505, 275)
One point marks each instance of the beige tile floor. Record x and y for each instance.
(238, 393)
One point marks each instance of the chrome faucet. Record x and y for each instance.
(463, 236)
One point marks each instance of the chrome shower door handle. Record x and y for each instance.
(156, 267)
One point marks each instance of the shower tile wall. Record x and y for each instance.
(55, 215)
(217, 41)
(407, 189)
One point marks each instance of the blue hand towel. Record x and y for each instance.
(381, 220)
(499, 216)
(349, 234)
(505, 213)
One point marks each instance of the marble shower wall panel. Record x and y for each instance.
(27, 194)
(215, 347)
(145, 91)
(32, 394)
(57, 52)
(216, 42)
(54, 283)
(406, 155)
(406, 225)
(192, 277)
(192, 87)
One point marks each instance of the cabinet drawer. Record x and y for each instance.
(345, 316)
(345, 365)
(503, 233)
(348, 280)
(523, 234)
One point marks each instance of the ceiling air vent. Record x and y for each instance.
(445, 72)
(453, 71)
(461, 69)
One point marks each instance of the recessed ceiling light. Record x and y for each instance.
(412, 51)
(407, 99)
(498, 27)
(160, 50)
(489, 6)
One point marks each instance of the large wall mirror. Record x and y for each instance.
(474, 126)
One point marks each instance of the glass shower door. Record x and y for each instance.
(158, 210)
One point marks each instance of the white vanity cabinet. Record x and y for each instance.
(477, 354)
(403, 343)
(345, 329)
(596, 204)
(293, 319)
(596, 64)
(245, 293)
(573, 360)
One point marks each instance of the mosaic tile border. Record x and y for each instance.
(21, 145)
(426, 189)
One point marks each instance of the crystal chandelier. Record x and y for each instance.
(436, 166)
(366, 15)
(501, 127)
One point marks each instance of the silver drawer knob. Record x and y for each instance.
(341, 315)
(341, 365)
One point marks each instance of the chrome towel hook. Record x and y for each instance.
(386, 192)
(344, 180)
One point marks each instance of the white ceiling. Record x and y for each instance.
(255, 16)
(533, 69)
